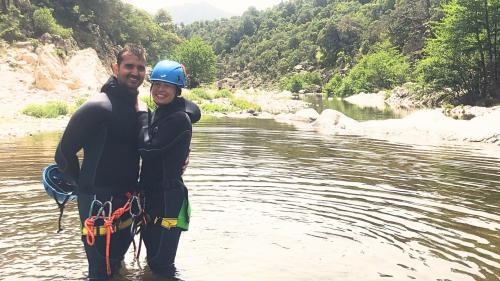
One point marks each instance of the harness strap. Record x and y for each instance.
(167, 223)
(61, 211)
(101, 230)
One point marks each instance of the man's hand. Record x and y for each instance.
(186, 163)
(140, 105)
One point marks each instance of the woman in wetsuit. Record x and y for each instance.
(164, 143)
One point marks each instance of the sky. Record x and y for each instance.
(236, 7)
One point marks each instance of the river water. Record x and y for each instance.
(273, 203)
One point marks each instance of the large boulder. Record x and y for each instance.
(85, 70)
(306, 115)
(332, 121)
(49, 68)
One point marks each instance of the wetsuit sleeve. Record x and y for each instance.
(168, 132)
(84, 123)
(193, 111)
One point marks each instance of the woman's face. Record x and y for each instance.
(163, 93)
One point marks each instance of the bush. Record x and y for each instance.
(244, 104)
(48, 110)
(45, 22)
(384, 68)
(214, 107)
(77, 105)
(150, 102)
(224, 93)
(201, 94)
(303, 81)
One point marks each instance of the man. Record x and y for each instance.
(106, 128)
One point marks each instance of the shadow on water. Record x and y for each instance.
(273, 203)
(319, 103)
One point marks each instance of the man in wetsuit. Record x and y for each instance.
(106, 127)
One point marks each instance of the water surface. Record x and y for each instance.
(273, 203)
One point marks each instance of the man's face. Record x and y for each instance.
(131, 71)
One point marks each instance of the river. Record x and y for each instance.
(273, 203)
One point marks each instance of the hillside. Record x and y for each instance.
(349, 47)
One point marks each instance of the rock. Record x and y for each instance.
(368, 100)
(30, 58)
(331, 121)
(24, 45)
(458, 113)
(85, 70)
(298, 67)
(301, 92)
(43, 79)
(306, 115)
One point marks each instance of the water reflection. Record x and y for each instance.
(273, 203)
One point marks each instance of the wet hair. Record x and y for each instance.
(136, 50)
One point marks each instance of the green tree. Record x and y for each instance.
(464, 54)
(199, 59)
(383, 68)
(164, 20)
(45, 22)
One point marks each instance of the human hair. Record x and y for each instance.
(135, 49)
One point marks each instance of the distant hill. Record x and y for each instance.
(191, 12)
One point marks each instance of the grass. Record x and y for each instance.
(48, 110)
(149, 101)
(213, 107)
(244, 104)
(204, 97)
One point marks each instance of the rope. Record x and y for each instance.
(108, 224)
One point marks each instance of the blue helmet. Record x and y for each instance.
(170, 72)
(55, 185)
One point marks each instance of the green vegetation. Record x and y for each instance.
(48, 110)
(367, 45)
(345, 46)
(45, 22)
(465, 52)
(382, 69)
(213, 107)
(149, 101)
(199, 60)
(304, 81)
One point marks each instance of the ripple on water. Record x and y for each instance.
(272, 203)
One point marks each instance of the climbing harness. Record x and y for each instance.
(112, 221)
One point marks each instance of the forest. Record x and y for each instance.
(446, 48)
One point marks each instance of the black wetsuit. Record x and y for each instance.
(106, 128)
(164, 147)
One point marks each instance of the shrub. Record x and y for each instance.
(224, 93)
(201, 93)
(45, 22)
(244, 104)
(150, 102)
(214, 107)
(302, 81)
(48, 110)
(383, 68)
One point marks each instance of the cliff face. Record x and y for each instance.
(37, 74)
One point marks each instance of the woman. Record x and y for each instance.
(164, 147)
